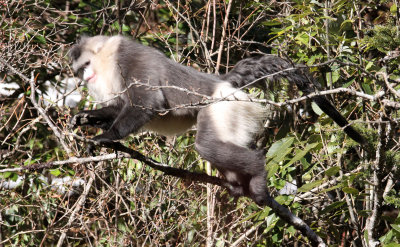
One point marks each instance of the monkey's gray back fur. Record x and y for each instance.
(179, 85)
(272, 68)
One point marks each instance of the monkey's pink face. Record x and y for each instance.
(89, 75)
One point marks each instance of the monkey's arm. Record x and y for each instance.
(99, 118)
(130, 119)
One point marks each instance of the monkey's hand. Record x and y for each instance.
(92, 118)
(81, 118)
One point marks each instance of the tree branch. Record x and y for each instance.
(125, 152)
(78, 206)
(58, 134)
(278, 209)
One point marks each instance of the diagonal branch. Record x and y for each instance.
(125, 152)
(283, 212)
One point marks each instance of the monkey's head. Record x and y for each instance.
(84, 54)
(94, 60)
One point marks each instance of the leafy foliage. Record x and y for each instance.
(337, 185)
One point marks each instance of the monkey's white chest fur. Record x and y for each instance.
(102, 87)
(102, 90)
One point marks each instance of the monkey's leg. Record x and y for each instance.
(239, 183)
(225, 130)
(238, 160)
(100, 118)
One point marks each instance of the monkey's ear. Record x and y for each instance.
(101, 41)
(75, 52)
(97, 47)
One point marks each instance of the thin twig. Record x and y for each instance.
(60, 136)
(223, 35)
(78, 206)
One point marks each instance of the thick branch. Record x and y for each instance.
(125, 152)
(376, 187)
(280, 210)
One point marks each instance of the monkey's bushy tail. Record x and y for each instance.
(251, 72)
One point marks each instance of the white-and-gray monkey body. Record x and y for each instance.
(140, 88)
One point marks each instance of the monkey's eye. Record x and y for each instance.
(82, 68)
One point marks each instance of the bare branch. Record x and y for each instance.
(60, 136)
(78, 206)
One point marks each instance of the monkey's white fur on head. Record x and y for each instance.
(102, 70)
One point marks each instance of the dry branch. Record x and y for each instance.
(60, 136)
(126, 152)
(280, 210)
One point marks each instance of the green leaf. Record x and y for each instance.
(346, 24)
(190, 235)
(41, 39)
(125, 28)
(300, 154)
(393, 8)
(272, 169)
(271, 222)
(55, 172)
(332, 188)
(347, 84)
(278, 147)
(366, 235)
(332, 171)
(392, 245)
(271, 23)
(284, 199)
(7, 174)
(309, 186)
(386, 238)
(14, 177)
(395, 227)
(303, 38)
(335, 76)
(291, 230)
(369, 65)
(263, 215)
(331, 207)
(350, 190)
(367, 88)
(316, 109)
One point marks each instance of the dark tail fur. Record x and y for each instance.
(253, 71)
